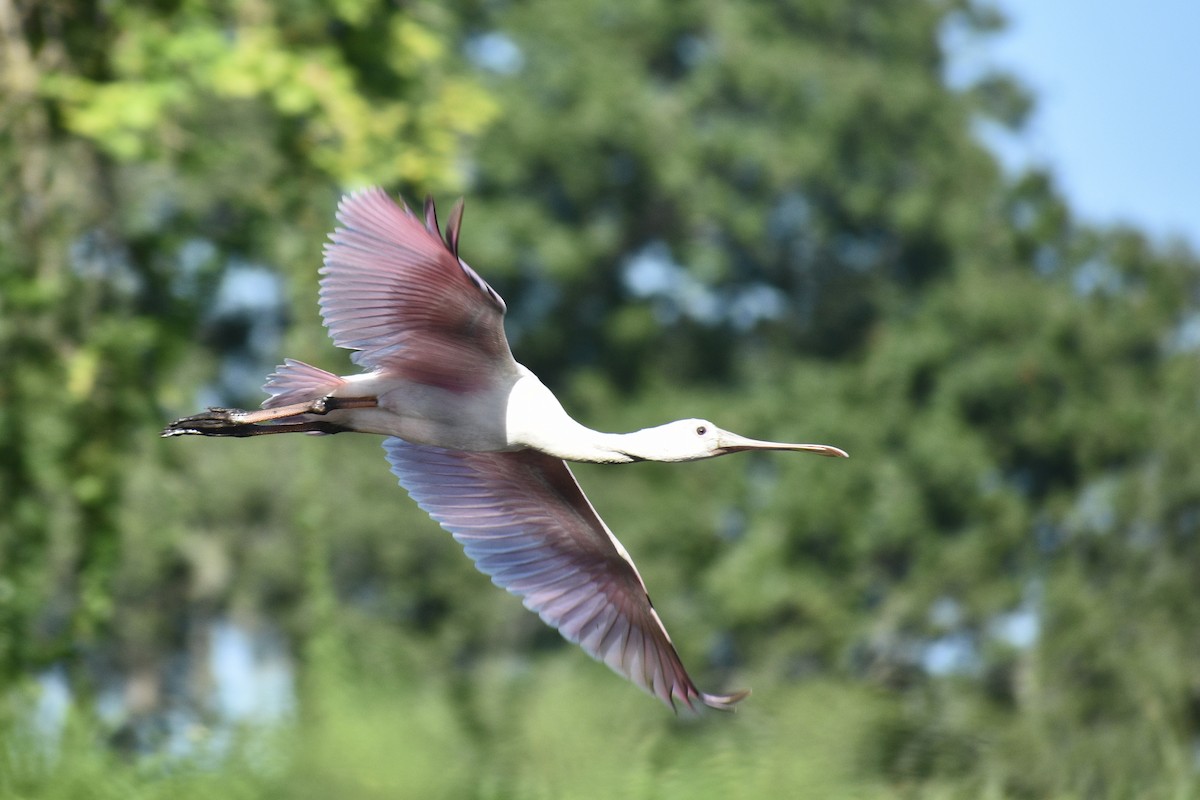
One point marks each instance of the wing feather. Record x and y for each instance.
(523, 520)
(393, 291)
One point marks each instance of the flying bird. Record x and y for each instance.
(475, 438)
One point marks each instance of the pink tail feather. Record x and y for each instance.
(296, 382)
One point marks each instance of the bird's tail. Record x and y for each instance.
(297, 382)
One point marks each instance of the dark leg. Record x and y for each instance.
(237, 422)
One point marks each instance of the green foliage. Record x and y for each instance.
(807, 147)
(555, 729)
(345, 99)
(150, 149)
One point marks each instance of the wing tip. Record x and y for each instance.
(431, 220)
(454, 224)
(725, 702)
(721, 702)
(686, 704)
(373, 200)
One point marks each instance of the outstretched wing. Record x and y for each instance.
(523, 520)
(395, 292)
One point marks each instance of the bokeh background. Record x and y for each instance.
(806, 219)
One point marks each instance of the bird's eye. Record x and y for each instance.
(701, 430)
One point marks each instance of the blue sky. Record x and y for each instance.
(1118, 105)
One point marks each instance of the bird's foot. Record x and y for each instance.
(292, 418)
(213, 422)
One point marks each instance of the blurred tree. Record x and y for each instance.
(699, 191)
(156, 152)
(1001, 549)
(702, 178)
(774, 214)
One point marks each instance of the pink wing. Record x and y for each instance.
(523, 520)
(395, 292)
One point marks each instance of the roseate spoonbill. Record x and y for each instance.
(476, 439)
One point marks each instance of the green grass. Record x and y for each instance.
(563, 728)
(560, 731)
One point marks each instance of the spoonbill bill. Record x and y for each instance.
(475, 438)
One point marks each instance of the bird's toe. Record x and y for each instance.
(212, 422)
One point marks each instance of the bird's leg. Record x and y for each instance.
(238, 422)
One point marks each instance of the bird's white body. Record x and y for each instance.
(513, 413)
(431, 415)
(477, 440)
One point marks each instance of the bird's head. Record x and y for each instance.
(695, 439)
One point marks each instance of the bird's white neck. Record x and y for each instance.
(536, 419)
(598, 447)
